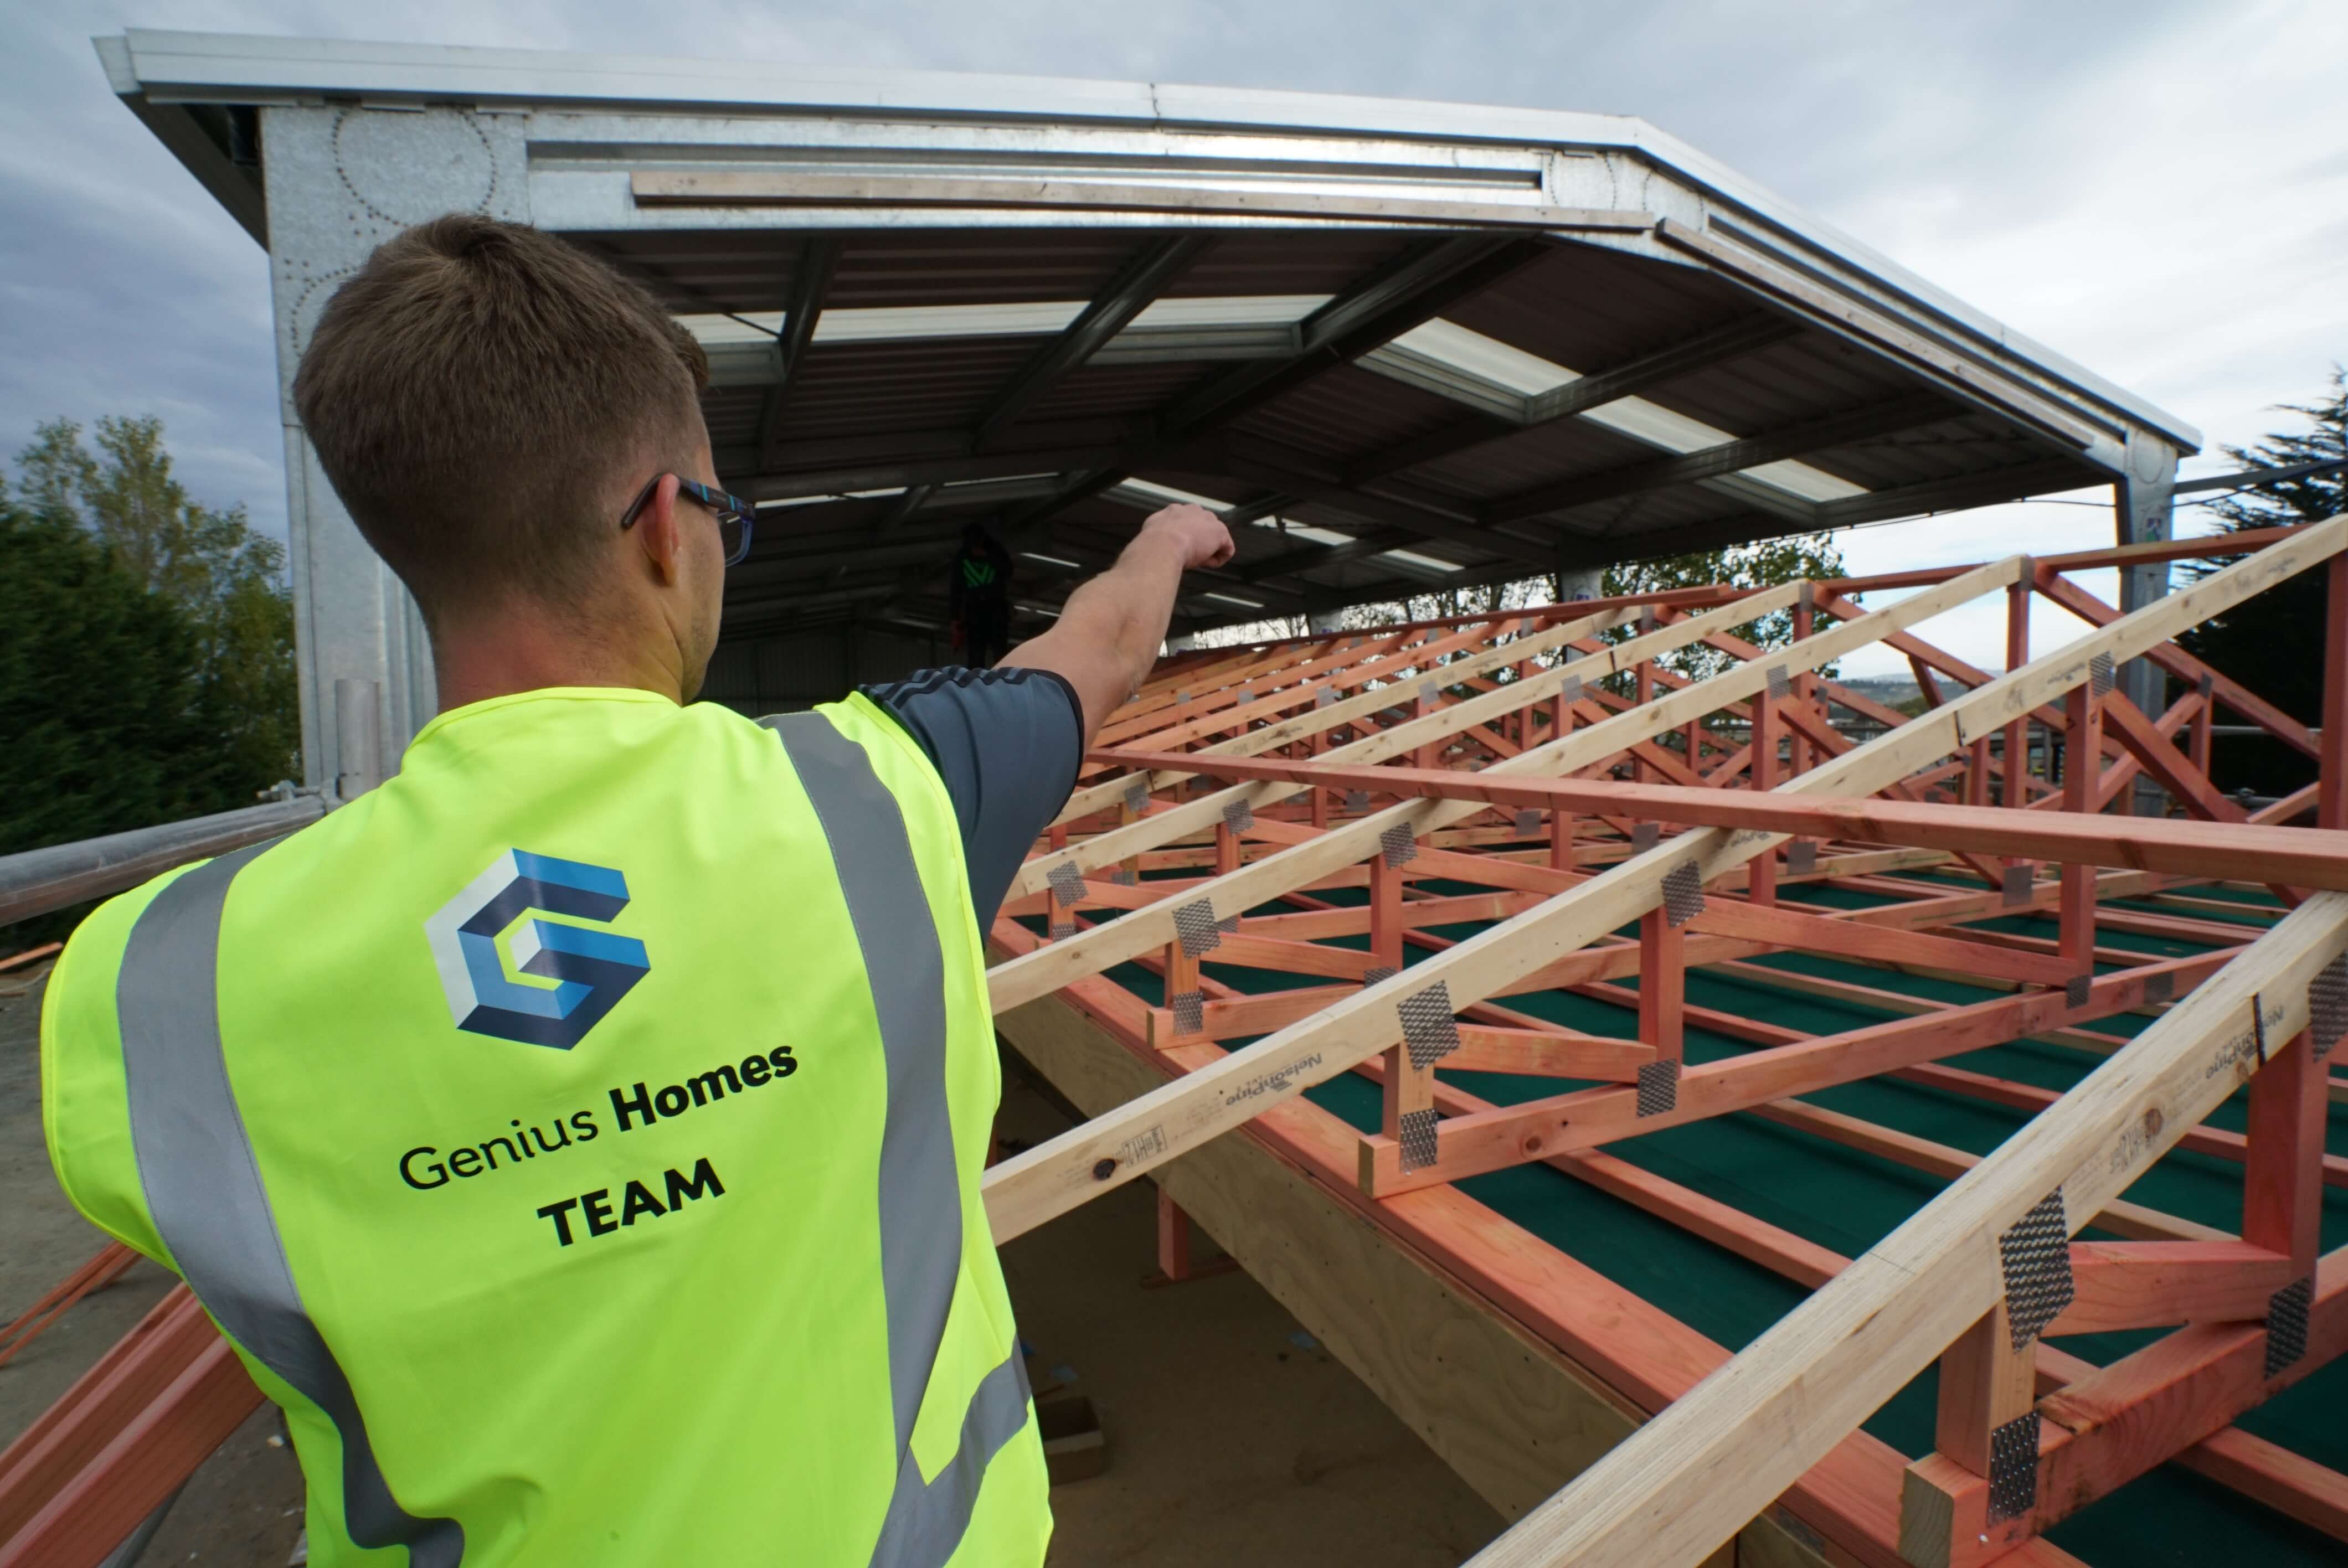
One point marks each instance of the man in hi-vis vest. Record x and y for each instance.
(580, 1134)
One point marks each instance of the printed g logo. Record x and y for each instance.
(592, 970)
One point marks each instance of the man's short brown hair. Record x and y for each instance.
(479, 393)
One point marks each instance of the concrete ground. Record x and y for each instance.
(1232, 1437)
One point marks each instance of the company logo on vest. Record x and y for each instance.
(589, 969)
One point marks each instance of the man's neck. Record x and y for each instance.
(524, 653)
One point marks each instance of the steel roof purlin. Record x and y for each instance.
(1437, 341)
(183, 68)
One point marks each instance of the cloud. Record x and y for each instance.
(2154, 188)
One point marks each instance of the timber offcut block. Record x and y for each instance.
(1075, 1448)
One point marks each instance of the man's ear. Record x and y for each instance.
(658, 533)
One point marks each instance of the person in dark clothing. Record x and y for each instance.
(978, 591)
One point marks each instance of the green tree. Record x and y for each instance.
(1761, 564)
(226, 580)
(1757, 565)
(2267, 642)
(110, 723)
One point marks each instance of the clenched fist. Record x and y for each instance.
(1196, 531)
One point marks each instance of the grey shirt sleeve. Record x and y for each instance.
(1007, 743)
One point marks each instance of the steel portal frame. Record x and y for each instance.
(814, 194)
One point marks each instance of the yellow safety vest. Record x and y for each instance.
(579, 1136)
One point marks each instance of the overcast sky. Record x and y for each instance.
(2158, 189)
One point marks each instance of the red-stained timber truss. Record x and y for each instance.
(1547, 761)
(1553, 761)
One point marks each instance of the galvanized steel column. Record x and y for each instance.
(342, 179)
(2141, 500)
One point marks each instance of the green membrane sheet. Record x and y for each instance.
(1847, 1200)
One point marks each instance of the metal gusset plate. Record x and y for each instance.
(2035, 1251)
(1060, 931)
(1189, 1012)
(1780, 688)
(2327, 1005)
(2159, 988)
(1429, 1033)
(1228, 925)
(1137, 796)
(2074, 990)
(1397, 846)
(1378, 974)
(2013, 1468)
(2101, 673)
(1571, 692)
(1126, 876)
(1646, 836)
(1416, 1135)
(1659, 1088)
(2287, 1312)
(1683, 894)
(1528, 821)
(1239, 817)
(1068, 884)
(2015, 888)
(2208, 685)
(1324, 696)
(1802, 857)
(1194, 924)
(1357, 800)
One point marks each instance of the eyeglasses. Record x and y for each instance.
(734, 514)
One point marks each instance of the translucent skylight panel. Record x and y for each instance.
(1419, 562)
(1528, 375)
(881, 323)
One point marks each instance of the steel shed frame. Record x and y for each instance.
(1419, 344)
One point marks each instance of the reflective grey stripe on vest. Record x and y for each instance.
(204, 1192)
(921, 1197)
